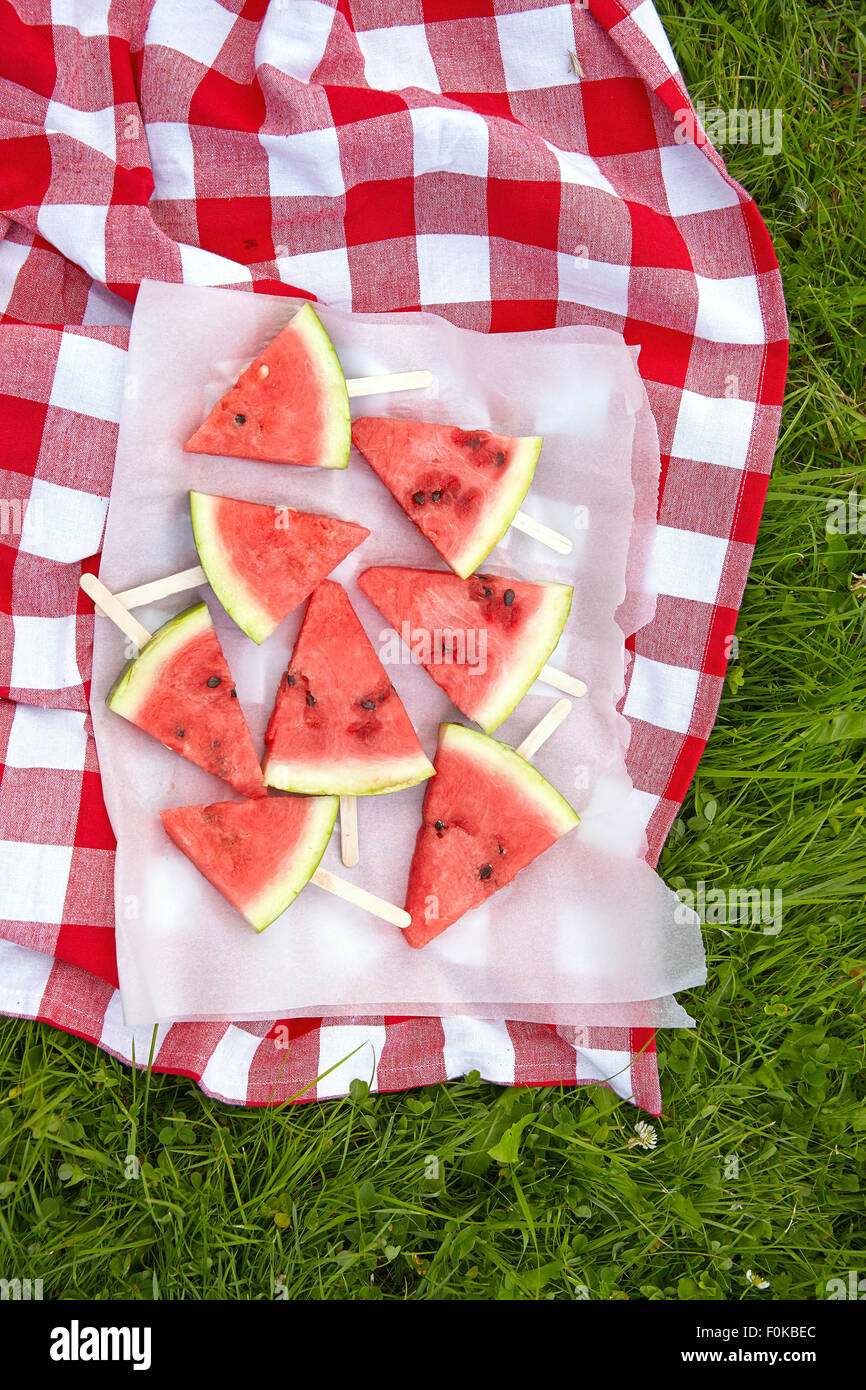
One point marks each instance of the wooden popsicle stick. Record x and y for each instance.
(544, 728)
(561, 680)
(349, 851)
(162, 588)
(112, 608)
(539, 532)
(388, 381)
(361, 898)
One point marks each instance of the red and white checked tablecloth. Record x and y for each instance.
(510, 164)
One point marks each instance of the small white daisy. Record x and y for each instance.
(644, 1136)
(756, 1281)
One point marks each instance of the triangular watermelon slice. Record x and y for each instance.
(483, 639)
(289, 406)
(262, 561)
(258, 854)
(487, 814)
(460, 487)
(338, 724)
(180, 690)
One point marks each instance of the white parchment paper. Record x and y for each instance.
(589, 924)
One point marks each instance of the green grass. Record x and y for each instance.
(757, 1161)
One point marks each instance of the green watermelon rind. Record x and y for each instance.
(546, 631)
(322, 351)
(141, 674)
(341, 779)
(236, 598)
(280, 894)
(497, 518)
(527, 780)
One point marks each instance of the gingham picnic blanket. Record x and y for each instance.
(508, 164)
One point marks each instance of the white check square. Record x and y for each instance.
(729, 311)
(322, 273)
(597, 284)
(88, 378)
(62, 523)
(692, 183)
(304, 165)
(661, 694)
(448, 141)
(687, 564)
(294, 36)
(353, 1050)
(33, 881)
(398, 57)
(78, 230)
(47, 738)
(536, 45)
(171, 159)
(97, 129)
(453, 269)
(89, 17)
(713, 429)
(198, 28)
(43, 657)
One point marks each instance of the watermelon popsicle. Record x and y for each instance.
(484, 639)
(263, 561)
(461, 488)
(487, 814)
(291, 404)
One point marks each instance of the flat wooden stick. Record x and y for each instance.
(349, 851)
(388, 381)
(112, 608)
(161, 588)
(361, 898)
(539, 532)
(544, 728)
(561, 680)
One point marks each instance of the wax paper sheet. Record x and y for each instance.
(590, 923)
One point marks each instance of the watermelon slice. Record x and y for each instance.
(258, 854)
(487, 814)
(460, 487)
(289, 406)
(483, 639)
(338, 724)
(262, 561)
(180, 689)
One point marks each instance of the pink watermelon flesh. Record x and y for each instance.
(487, 814)
(189, 701)
(258, 854)
(338, 725)
(289, 406)
(263, 561)
(483, 639)
(460, 487)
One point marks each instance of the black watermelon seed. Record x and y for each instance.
(216, 743)
(383, 698)
(485, 871)
(311, 699)
(501, 849)
(499, 458)
(240, 419)
(436, 496)
(214, 681)
(234, 693)
(486, 592)
(368, 704)
(180, 733)
(508, 597)
(418, 498)
(439, 827)
(290, 679)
